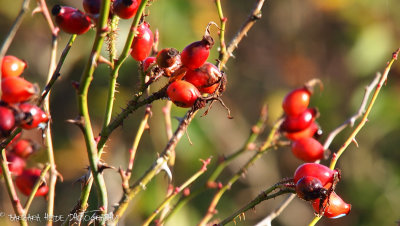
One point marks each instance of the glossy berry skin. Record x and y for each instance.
(143, 42)
(335, 209)
(33, 116)
(91, 6)
(296, 102)
(310, 131)
(16, 164)
(321, 172)
(17, 89)
(26, 181)
(147, 63)
(125, 9)
(12, 66)
(308, 149)
(310, 188)
(7, 121)
(71, 20)
(182, 93)
(205, 78)
(24, 148)
(195, 54)
(299, 122)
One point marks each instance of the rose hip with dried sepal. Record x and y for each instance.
(71, 20)
(310, 188)
(32, 117)
(12, 66)
(333, 206)
(169, 60)
(195, 54)
(27, 180)
(321, 172)
(142, 43)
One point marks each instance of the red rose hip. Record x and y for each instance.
(205, 78)
(33, 116)
(12, 66)
(17, 89)
(336, 207)
(296, 102)
(125, 9)
(71, 20)
(27, 180)
(195, 54)
(143, 42)
(308, 149)
(321, 172)
(182, 93)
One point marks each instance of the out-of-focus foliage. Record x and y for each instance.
(343, 43)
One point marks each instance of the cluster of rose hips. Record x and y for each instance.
(299, 125)
(16, 110)
(74, 21)
(312, 181)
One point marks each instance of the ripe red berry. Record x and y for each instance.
(24, 148)
(17, 89)
(126, 9)
(299, 122)
(91, 6)
(334, 209)
(15, 164)
(195, 54)
(310, 188)
(27, 180)
(310, 131)
(205, 78)
(33, 116)
(308, 149)
(7, 121)
(321, 172)
(182, 93)
(142, 43)
(296, 102)
(71, 20)
(12, 66)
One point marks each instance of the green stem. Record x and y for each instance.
(222, 51)
(36, 187)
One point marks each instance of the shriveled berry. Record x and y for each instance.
(195, 54)
(17, 89)
(33, 116)
(71, 20)
(27, 180)
(142, 43)
(321, 172)
(7, 121)
(299, 122)
(308, 149)
(12, 66)
(296, 102)
(205, 78)
(336, 207)
(310, 188)
(182, 93)
(126, 9)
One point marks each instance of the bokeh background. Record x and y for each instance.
(343, 43)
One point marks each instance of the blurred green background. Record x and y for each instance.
(343, 43)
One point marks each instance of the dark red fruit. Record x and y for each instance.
(334, 209)
(71, 20)
(12, 66)
(321, 172)
(299, 122)
(15, 164)
(182, 93)
(296, 102)
(7, 121)
(205, 78)
(310, 131)
(169, 60)
(126, 9)
(142, 43)
(310, 188)
(195, 54)
(147, 63)
(17, 89)
(308, 149)
(33, 116)
(24, 148)
(27, 180)
(91, 6)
